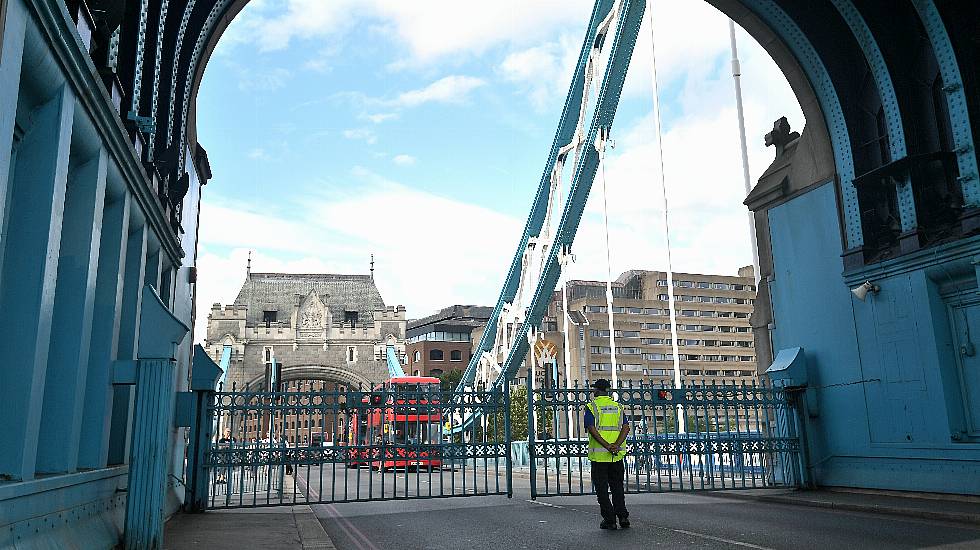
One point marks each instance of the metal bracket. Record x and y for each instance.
(145, 124)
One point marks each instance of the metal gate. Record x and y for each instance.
(308, 445)
(729, 437)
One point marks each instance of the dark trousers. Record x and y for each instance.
(608, 477)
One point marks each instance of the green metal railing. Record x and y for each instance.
(326, 446)
(728, 437)
(315, 446)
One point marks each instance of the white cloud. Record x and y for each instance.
(702, 164)
(272, 25)
(403, 160)
(438, 29)
(702, 171)
(428, 30)
(361, 134)
(449, 89)
(332, 234)
(378, 118)
(259, 153)
(252, 80)
(543, 72)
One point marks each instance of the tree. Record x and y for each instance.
(449, 380)
(518, 418)
(696, 422)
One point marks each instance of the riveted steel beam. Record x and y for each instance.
(959, 113)
(813, 66)
(889, 102)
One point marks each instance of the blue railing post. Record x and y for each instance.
(160, 332)
(205, 375)
(531, 436)
(507, 442)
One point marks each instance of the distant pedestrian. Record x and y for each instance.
(606, 423)
(225, 441)
(226, 438)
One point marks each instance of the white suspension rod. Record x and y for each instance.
(737, 77)
(663, 189)
(603, 140)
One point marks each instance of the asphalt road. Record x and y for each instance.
(663, 520)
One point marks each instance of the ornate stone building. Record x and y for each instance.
(327, 327)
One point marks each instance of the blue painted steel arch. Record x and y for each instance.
(889, 102)
(959, 113)
(827, 96)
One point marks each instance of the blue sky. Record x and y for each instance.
(417, 131)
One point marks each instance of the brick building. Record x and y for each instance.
(443, 342)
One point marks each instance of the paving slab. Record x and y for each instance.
(282, 527)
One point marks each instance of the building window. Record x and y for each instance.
(269, 317)
(350, 318)
(436, 372)
(435, 355)
(417, 356)
(351, 354)
(455, 355)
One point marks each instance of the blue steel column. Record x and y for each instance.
(889, 103)
(94, 445)
(11, 55)
(959, 113)
(36, 195)
(129, 326)
(72, 322)
(153, 414)
(204, 380)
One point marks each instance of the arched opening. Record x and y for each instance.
(313, 407)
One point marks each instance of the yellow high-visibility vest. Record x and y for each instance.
(609, 418)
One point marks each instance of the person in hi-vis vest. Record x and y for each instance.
(606, 423)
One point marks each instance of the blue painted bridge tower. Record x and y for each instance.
(100, 182)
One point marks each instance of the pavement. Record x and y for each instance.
(285, 527)
(749, 518)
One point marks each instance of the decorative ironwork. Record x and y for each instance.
(728, 437)
(303, 445)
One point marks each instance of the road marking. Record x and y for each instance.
(342, 522)
(682, 531)
(718, 539)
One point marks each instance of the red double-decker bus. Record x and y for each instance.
(399, 425)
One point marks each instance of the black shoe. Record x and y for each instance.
(624, 523)
(606, 524)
